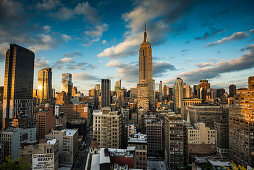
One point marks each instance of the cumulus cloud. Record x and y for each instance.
(158, 15)
(74, 54)
(34, 36)
(90, 15)
(244, 62)
(94, 34)
(85, 77)
(66, 37)
(69, 63)
(201, 65)
(84, 9)
(235, 36)
(81, 66)
(209, 34)
(65, 60)
(41, 63)
(47, 4)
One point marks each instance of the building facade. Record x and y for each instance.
(68, 144)
(67, 83)
(201, 141)
(155, 138)
(139, 141)
(105, 92)
(241, 126)
(178, 94)
(44, 84)
(175, 142)
(146, 72)
(18, 83)
(107, 128)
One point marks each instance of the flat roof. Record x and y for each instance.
(95, 164)
(156, 165)
(70, 132)
(103, 158)
(219, 163)
(53, 141)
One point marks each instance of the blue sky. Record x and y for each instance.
(100, 39)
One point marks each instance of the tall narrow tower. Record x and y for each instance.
(145, 61)
(44, 85)
(146, 82)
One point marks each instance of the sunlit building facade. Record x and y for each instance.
(67, 83)
(18, 83)
(146, 73)
(44, 84)
(241, 126)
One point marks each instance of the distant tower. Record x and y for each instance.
(160, 87)
(146, 82)
(251, 82)
(178, 93)
(105, 92)
(44, 85)
(18, 83)
(232, 90)
(118, 85)
(67, 83)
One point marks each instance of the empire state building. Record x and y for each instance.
(146, 82)
(145, 61)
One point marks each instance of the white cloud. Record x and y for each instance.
(104, 41)
(158, 14)
(66, 37)
(84, 9)
(47, 4)
(47, 42)
(65, 60)
(114, 63)
(41, 63)
(46, 28)
(244, 62)
(235, 36)
(84, 77)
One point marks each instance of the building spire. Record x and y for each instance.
(145, 35)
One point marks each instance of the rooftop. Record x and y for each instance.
(156, 165)
(52, 142)
(104, 156)
(138, 138)
(219, 163)
(129, 152)
(69, 132)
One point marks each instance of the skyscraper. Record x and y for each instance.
(146, 70)
(18, 83)
(203, 90)
(105, 92)
(187, 91)
(232, 90)
(175, 139)
(251, 82)
(44, 86)
(178, 93)
(160, 87)
(67, 83)
(118, 85)
(241, 126)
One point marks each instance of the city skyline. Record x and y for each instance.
(89, 41)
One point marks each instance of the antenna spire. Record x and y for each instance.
(145, 35)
